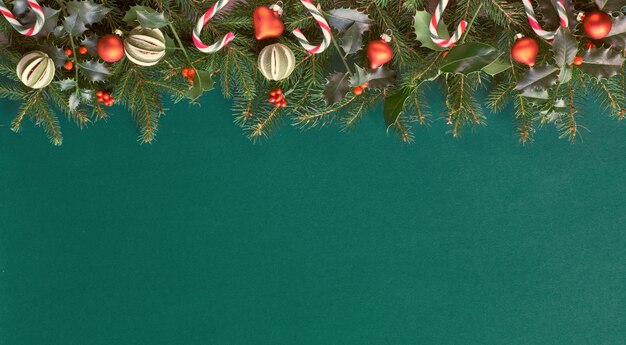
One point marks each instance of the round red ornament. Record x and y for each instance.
(379, 52)
(110, 48)
(525, 51)
(267, 23)
(597, 24)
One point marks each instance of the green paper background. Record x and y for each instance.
(313, 238)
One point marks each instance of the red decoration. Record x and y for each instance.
(379, 53)
(110, 48)
(597, 24)
(105, 98)
(267, 23)
(68, 65)
(68, 52)
(525, 51)
(82, 50)
(358, 91)
(278, 98)
(578, 60)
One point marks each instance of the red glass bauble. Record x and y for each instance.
(379, 53)
(110, 48)
(267, 23)
(525, 51)
(597, 24)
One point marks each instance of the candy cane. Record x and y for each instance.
(202, 22)
(534, 24)
(321, 21)
(26, 31)
(434, 22)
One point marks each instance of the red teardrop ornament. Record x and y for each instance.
(379, 53)
(267, 23)
(525, 51)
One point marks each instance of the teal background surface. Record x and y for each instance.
(311, 238)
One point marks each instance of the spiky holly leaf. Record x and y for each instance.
(565, 75)
(420, 24)
(94, 71)
(469, 57)
(74, 25)
(344, 18)
(538, 77)
(360, 76)
(535, 93)
(66, 84)
(87, 11)
(90, 42)
(617, 35)
(56, 54)
(565, 47)
(394, 106)
(351, 41)
(73, 101)
(145, 17)
(610, 5)
(86, 95)
(602, 62)
(52, 19)
(337, 86)
(202, 82)
(381, 78)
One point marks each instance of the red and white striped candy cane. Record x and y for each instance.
(321, 21)
(534, 23)
(434, 22)
(24, 30)
(210, 13)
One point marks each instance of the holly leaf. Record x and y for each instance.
(74, 25)
(381, 78)
(496, 67)
(55, 53)
(66, 84)
(420, 24)
(86, 95)
(394, 106)
(202, 82)
(565, 75)
(602, 62)
(337, 86)
(344, 18)
(535, 93)
(145, 17)
(610, 5)
(351, 40)
(469, 57)
(360, 77)
(617, 35)
(74, 101)
(94, 71)
(87, 11)
(538, 77)
(52, 18)
(90, 42)
(565, 47)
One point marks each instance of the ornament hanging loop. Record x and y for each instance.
(387, 35)
(278, 8)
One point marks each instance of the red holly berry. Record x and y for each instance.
(185, 72)
(99, 93)
(69, 65)
(357, 91)
(578, 60)
(106, 96)
(68, 52)
(366, 84)
(99, 99)
(589, 45)
(191, 72)
(82, 50)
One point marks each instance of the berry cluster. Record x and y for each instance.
(105, 97)
(189, 73)
(277, 98)
(69, 52)
(359, 89)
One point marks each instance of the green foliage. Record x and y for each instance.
(551, 93)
